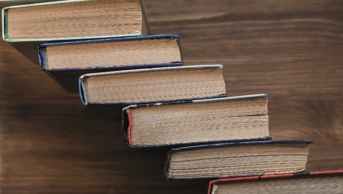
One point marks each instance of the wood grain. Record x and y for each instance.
(292, 50)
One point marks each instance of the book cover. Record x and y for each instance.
(68, 77)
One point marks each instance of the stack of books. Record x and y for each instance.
(104, 51)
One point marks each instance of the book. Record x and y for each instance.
(107, 93)
(305, 182)
(67, 61)
(237, 159)
(234, 118)
(27, 26)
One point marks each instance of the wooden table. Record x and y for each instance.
(292, 50)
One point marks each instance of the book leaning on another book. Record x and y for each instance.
(246, 158)
(107, 93)
(27, 26)
(304, 183)
(67, 61)
(234, 118)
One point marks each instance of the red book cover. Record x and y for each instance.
(274, 176)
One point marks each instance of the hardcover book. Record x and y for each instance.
(237, 159)
(305, 182)
(233, 118)
(107, 93)
(67, 61)
(27, 26)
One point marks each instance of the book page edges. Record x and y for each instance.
(5, 34)
(214, 99)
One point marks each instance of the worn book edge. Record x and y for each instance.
(211, 188)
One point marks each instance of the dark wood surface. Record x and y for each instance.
(292, 50)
